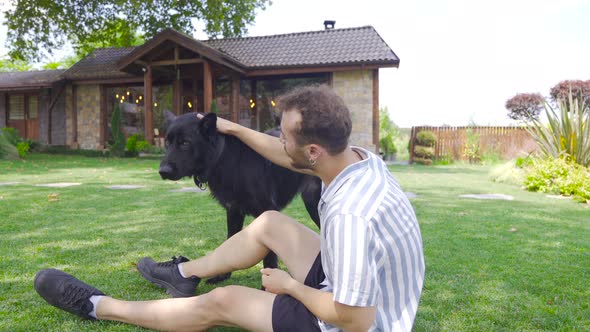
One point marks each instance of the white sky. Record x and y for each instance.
(460, 59)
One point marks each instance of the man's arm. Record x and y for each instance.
(320, 303)
(269, 147)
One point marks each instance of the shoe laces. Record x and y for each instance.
(175, 261)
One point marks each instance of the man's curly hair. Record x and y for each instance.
(325, 119)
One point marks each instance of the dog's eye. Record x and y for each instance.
(186, 143)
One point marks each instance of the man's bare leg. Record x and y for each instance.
(295, 244)
(238, 306)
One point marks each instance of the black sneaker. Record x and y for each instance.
(64, 291)
(166, 275)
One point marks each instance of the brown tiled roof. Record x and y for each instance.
(325, 47)
(99, 64)
(29, 79)
(334, 47)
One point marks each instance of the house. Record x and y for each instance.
(239, 77)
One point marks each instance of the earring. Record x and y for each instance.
(312, 162)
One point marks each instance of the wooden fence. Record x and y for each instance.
(504, 142)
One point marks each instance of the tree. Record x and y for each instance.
(525, 106)
(388, 130)
(16, 65)
(580, 90)
(36, 25)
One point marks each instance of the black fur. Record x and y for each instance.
(239, 178)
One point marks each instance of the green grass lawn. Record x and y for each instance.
(520, 265)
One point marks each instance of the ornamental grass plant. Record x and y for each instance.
(567, 133)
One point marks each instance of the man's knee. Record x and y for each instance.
(267, 222)
(221, 300)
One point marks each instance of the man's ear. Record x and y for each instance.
(169, 117)
(314, 151)
(208, 126)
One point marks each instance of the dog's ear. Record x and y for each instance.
(169, 117)
(208, 126)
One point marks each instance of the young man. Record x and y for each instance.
(363, 272)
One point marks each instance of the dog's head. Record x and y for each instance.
(191, 144)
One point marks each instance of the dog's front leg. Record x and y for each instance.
(235, 223)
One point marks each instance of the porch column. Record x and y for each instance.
(177, 94)
(103, 117)
(207, 86)
(234, 99)
(75, 144)
(148, 105)
(376, 110)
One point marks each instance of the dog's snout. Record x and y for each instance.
(166, 171)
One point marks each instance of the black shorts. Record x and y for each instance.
(288, 314)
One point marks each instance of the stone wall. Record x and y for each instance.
(356, 88)
(88, 113)
(58, 120)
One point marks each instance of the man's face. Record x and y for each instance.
(289, 123)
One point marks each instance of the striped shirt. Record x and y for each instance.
(371, 247)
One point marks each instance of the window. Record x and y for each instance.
(16, 107)
(33, 106)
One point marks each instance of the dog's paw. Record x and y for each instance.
(218, 278)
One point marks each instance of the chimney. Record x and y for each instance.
(329, 25)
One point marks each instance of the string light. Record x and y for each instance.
(155, 104)
(272, 102)
(128, 93)
(140, 97)
(190, 105)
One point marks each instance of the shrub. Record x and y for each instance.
(7, 149)
(567, 134)
(508, 173)
(56, 149)
(11, 134)
(135, 144)
(472, 150)
(424, 147)
(522, 162)
(423, 161)
(425, 152)
(387, 145)
(426, 138)
(578, 89)
(388, 130)
(23, 148)
(525, 106)
(444, 160)
(558, 176)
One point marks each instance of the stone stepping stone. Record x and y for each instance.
(8, 183)
(59, 184)
(188, 190)
(558, 196)
(489, 196)
(410, 195)
(125, 186)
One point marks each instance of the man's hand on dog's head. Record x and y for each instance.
(223, 126)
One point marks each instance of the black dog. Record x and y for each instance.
(240, 179)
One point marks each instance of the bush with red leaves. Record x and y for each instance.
(525, 106)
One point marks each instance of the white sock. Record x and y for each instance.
(180, 270)
(94, 299)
